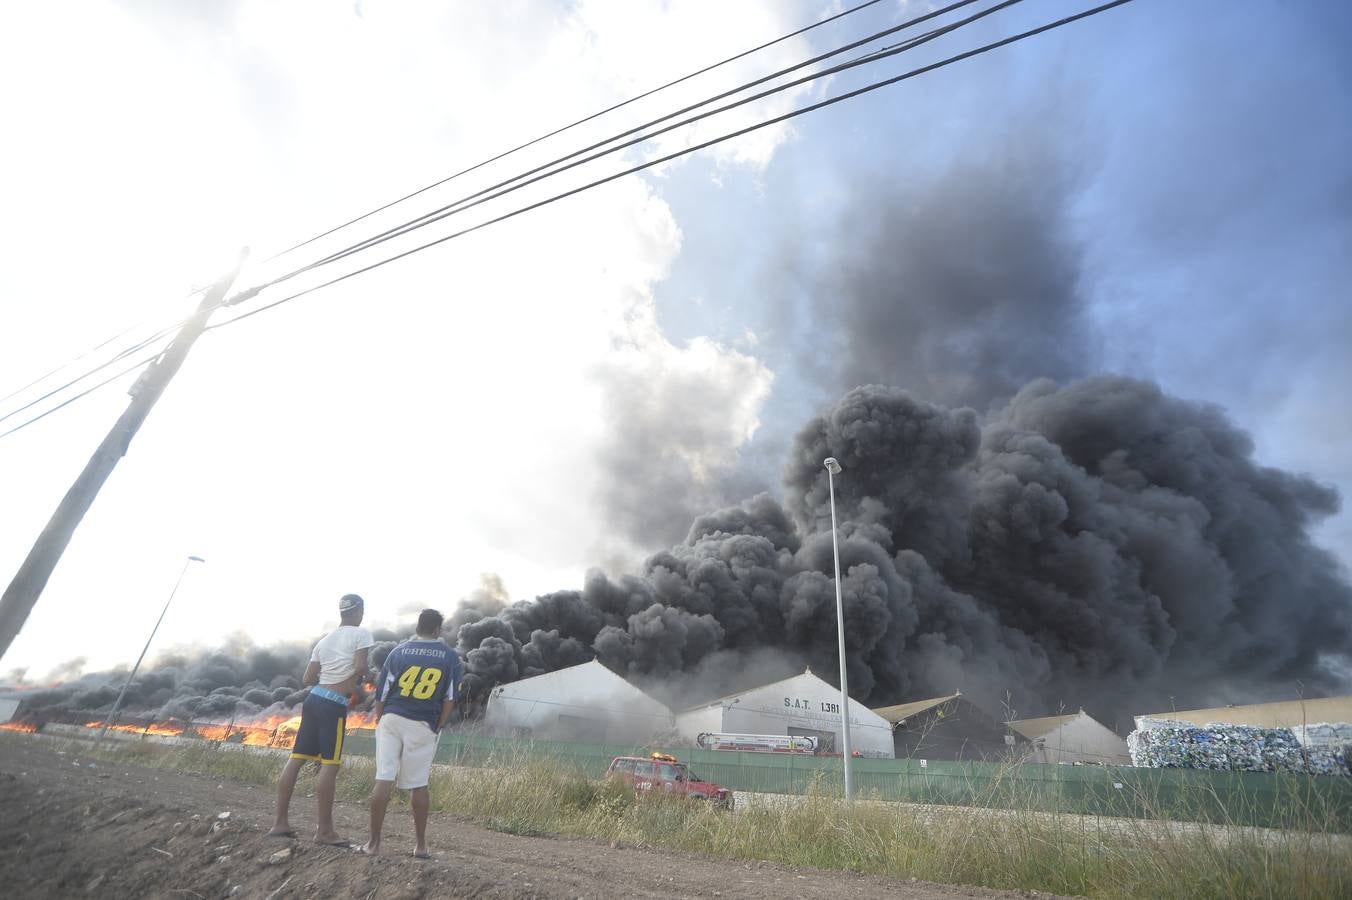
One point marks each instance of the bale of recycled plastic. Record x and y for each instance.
(1233, 748)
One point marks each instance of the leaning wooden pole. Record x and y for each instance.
(29, 581)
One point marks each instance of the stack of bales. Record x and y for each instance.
(1258, 737)
(1242, 748)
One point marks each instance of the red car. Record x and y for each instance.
(661, 772)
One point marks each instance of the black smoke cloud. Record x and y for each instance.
(236, 681)
(1098, 543)
(963, 286)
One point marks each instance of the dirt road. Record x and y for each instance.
(69, 829)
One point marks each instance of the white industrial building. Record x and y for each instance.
(1072, 739)
(802, 705)
(580, 703)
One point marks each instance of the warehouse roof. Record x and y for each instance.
(903, 711)
(712, 701)
(594, 668)
(1282, 714)
(1036, 728)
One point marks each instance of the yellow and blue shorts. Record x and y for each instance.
(322, 722)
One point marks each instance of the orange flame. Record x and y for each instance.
(267, 731)
(25, 727)
(162, 729)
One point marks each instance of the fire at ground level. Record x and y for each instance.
(275, 731)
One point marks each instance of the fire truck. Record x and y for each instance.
(661, 772)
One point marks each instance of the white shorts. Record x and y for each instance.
(404, 747)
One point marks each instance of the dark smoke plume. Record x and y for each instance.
(236, 681)
(1099, 544)
(962, 287)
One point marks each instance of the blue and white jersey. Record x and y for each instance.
(417, 676)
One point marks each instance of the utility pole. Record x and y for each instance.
(24, 590)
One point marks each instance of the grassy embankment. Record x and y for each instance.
(999, 847)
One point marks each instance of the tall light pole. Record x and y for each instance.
(832, 470)
(117, 704)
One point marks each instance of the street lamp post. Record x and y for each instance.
(117, 704)
(832, 470)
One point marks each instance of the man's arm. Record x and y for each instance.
(451, 677)
(311, 677)
(359, 663)
(447, 707)
(382, 685)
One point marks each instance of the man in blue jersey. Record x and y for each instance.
(415, 696)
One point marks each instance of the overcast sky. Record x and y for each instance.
(1164, 191)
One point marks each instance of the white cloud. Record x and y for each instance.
(400, 433)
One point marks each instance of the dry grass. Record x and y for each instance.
(1002, 848)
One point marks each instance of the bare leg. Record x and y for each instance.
(325, 788)
(420, 800)
(286, 786)
(380, 799)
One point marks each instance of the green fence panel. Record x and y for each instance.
(1240, 798)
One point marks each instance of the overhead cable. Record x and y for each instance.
(245, 295)
(86, 392)
(121, 355)
(877, 85)
(582, 121)
(478, 197)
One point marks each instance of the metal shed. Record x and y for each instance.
(949, 727)
(1076, 738)
(580, 703)
(801, 705)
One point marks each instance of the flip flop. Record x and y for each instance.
(367, 851)
(416, 855)
(345, 845)
(280, 834)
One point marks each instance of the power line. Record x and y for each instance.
(557, 131)
(97, 347)
(582, 121)
(66, 365)
(145, 342)
(90, 352)
(651, 163)
(701, 146)
(247, 294)
(478, 197)
(86, 392)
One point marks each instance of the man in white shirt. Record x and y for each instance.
(337, 665)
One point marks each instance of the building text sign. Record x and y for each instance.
(813, 706)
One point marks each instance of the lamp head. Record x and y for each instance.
(831, 465)
(196, 559)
